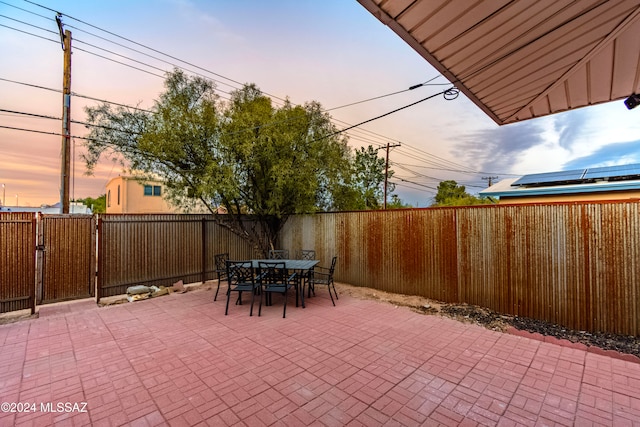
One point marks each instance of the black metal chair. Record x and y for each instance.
(274, 278)
(241, 278)
(279, 254)
(306, 254)
(324, 276)
(221, 270)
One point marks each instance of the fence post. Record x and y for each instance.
(93, 259)
(99, 273)
(39, 237)
(34, 231)
(204, 249)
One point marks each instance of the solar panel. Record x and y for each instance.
(613, 171)
(550, 178)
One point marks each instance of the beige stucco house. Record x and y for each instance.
(128, 194)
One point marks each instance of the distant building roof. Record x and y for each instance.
(74, 208)
(581, 176)
(591, 180)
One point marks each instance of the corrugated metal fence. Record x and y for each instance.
(67, 254)
(49, 258)
(17, 261)
(160, 250)
(572, 264)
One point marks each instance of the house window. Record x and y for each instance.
(152, 190)
(118, 195)
(109, 198)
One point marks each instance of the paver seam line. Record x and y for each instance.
(128, 363)
(538, 352)
(330, 356)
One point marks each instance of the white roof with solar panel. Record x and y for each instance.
(620, 181)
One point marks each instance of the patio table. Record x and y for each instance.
(295, 265)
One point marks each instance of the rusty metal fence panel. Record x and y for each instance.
(68, 256)
(404, 251)
(574, 264)
(17, 261)
(160, 250)
(571, 264)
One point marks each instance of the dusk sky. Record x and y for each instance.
(334, 52)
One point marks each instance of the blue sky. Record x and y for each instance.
(332, 51)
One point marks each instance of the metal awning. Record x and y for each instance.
(520, 59)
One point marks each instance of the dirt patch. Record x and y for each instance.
(495, 321)
(16, 316)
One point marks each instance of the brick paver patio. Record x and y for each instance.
(177, 360)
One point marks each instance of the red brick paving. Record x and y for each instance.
(178, 360)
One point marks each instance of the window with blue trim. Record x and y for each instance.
(152, 190)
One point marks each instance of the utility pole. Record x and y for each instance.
(386, 173)
(490, 179)
(65, 40)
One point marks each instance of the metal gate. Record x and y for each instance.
(17, 261)
(66, 254)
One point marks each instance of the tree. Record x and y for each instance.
(452, 194)
(98, 206)
(245, 155)
(368, 178)
(397, 203)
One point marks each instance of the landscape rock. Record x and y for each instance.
(179, 287)
(138, 289)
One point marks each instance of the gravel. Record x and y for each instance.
(489, 319)
(499, 322)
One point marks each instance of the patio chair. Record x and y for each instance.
(279, 254)
(324, 276)
(240, 276)
(306, 254)
(221, 270)
(274, 278)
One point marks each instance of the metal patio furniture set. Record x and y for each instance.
(276, 275)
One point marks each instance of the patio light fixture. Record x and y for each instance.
(633, 101)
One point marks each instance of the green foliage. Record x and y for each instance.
(452, 194)
(396, 203)
(366, 190)
(368, 178)
(245, 155)
(98, 206)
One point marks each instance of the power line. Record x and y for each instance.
(117, 54)
(354, 136)
(34, 131)
(40, 116)
(146, 47)
(24, 10)
(28, 24)
(72, 94)
(146, 71)
(31, 34)
(150, 56)
(414, 183)
(386, 114)
(43, 116)
(118, 62)
(438, 160)
(455, 170)
(101, 100)
(393, 93)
